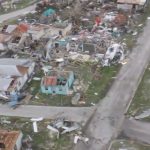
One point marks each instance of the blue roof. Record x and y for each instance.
(49, 12)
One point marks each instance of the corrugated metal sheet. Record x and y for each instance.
(138, 2)
(11, 28)
(9, 70)
(16, 62)
(5, 83)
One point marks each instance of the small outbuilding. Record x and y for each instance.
(57, 82)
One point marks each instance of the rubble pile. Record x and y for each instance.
(41, 55)
(50, 38)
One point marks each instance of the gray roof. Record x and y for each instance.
(5, 83)
(9, 70)
(16, 62)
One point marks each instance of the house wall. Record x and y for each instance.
(22, 80)
(19, 142)
(31, 69)
(62, 90)
(71, 79)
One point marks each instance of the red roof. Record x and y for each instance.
(50, 81)
(23, 27)
(9, 138)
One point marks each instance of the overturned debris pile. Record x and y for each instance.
(62, 126)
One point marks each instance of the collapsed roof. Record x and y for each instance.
(8, 139)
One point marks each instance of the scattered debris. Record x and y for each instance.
(143, 115)
(93, 104)
(36, 79)
(115, 53)
(76, 99)
(53, 41)
(77, 138)
(27, 142)
(53, 130)
(62, 126)
(95, 93)
(35, 120)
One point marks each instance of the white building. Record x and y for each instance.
(14, 73)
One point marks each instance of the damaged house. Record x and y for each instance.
(132, 5)
(19, 35)
(14, 73)
(25, 34)
(57, 82)
(60, 28)
(10, 140)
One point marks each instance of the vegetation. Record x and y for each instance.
(130, 145)
(141, 101)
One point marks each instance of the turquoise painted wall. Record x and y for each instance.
(62, 90)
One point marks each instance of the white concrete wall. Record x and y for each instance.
(19, 142)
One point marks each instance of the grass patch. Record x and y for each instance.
(130, 145)
(99, 87)
(10, 21)
(130, 41)
(42, 139)
(141, 99)
(94, 80)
